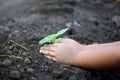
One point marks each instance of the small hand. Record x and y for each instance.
(60, 52)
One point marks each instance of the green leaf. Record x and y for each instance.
(44, 40)
(48, 39)
(61, 31)
(52, 38)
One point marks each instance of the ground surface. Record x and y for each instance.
(24, 22)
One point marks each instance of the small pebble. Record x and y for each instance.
(18, 66)
(30, 70)
(27, 61)
(116, 19)
(72, 78)
(1, 27)
(14, 74)
(22, 70)
(6, 62)
(9, 52)
(25, 54)
(10, 36)
(76, 23)
(33, 78)
(15, 32)
(6, 28)
(57, 74)
(11, 47)
(69, 24)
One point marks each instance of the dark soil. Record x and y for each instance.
(24, 22)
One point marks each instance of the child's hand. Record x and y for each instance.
(60, 52)
(72, 43)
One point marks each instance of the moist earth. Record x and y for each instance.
(24, 22)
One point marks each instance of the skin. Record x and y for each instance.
(54, 52)
(116, 1)
(95, 56)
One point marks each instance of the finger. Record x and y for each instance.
(49, 57)
(44, 52)
(49, 53)
(45, 45)
(49, 45)
(52, 58)
(52, 48)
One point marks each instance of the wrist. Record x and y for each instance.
(77, 58)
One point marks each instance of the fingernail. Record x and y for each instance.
(41, 48)
(40, 51)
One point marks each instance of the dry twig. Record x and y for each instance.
(11, 56)
(18, 45)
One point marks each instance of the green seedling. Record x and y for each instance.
(52, 38)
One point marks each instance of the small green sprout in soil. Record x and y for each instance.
(52, 38)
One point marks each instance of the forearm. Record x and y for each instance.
(100, 46)
(99, 59)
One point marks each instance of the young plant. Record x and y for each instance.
(52, 38)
